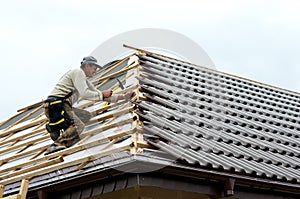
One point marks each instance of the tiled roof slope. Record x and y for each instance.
(220, 122)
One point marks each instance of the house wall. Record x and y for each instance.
(151, 193)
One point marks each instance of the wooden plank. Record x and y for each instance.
(116, 85)
(73, 148)
(22, 127)
(132, 66)
(112, 114)
(105, 147)
(104, 117)
(31, 106)
(34, 167)
(10, 118)
(20, 137)
(1, 190)
(112, 119)
(62, 165)
(115, 65)
(136, 138)
(99, 110)
(8, 138)
(16, 146)
(91, 132)
(23, 118)
(40, 152)
(24, 188)
(16, 196)
(24, 153)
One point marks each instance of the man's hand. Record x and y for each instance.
(106, 93)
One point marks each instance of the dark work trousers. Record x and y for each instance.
(69, 135)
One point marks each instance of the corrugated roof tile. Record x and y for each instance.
(189, 114)
(221, 121)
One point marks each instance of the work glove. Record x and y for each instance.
(128, 95)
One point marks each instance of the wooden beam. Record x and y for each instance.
(73, 148)
(133, 65)
(112, 119)
(136, 138)
(10, 118)
(62, 165)
(34, 167)
(24, 153)
(112, 114)
(116, 85)
(15, 196)
(31, 106)
(1, 190)
(22, 127)
(104, 117)
(24, 188)
(44, 137)
(23, 118)
(20, 137)
(105, 147)
(113, 67)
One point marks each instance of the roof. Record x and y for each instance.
(221, 122)
(183, 116)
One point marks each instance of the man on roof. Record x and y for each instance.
(66, 122)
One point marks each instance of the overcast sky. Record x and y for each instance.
(41, 40)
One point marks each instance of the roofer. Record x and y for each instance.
(66, 122)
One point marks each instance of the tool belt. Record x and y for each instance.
(58, 117)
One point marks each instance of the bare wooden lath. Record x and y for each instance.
(24, 141)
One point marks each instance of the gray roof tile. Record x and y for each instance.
(220, 122)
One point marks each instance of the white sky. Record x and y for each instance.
(41, 40)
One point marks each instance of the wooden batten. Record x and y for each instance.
(104, 148)
(23, 118)
(32, 168)
(136, 138)
(112, 114)
(22, 193)
(132, 66)
(112, 67)
(31, 106)
(21, 136)
(22, 127)
(16, 146)
(62, 165)
(24, 188)
(1, 190)
(27, 139)
(72, 149)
